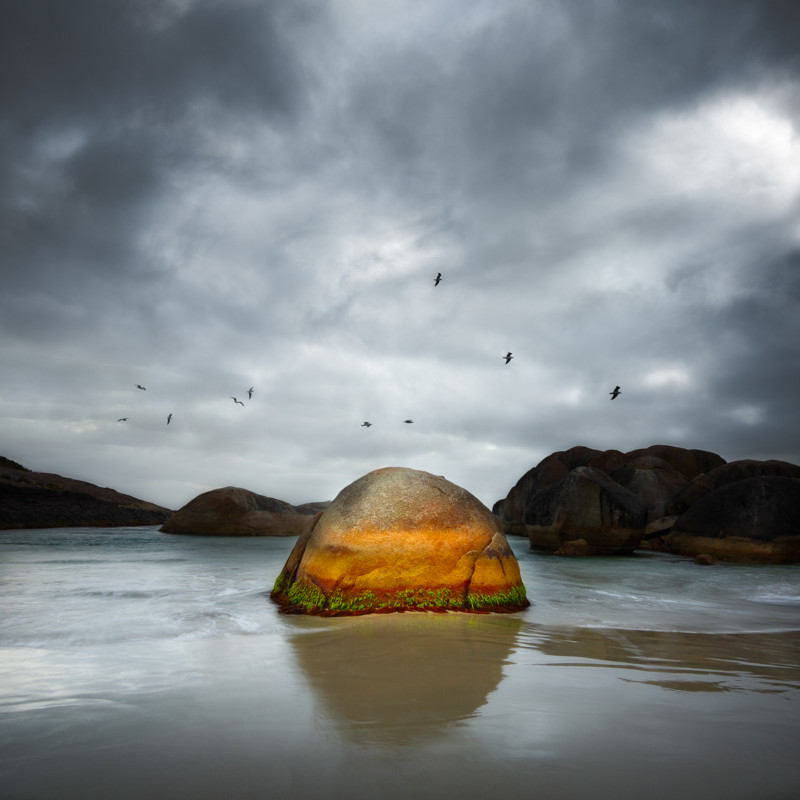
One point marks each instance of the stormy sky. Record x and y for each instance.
(200, 196)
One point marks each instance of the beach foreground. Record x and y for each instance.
(134, 664)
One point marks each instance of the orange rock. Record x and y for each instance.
(399, 539)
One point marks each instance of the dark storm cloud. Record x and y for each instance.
(763, 329)
(551, 82)
(202, 196)
(113, 94)
(114, 62)
(103, 105)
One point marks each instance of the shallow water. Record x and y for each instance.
(134, 663)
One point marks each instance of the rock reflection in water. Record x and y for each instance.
(397, 678)
(765, 662)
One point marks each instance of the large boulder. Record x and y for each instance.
(727, 473)
(586, 504)
(511, 510)
(653, 480)
(238, 512)
(398, 539)
(608, 461)
(688, 462)
(756, 519)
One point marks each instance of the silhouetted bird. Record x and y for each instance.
(507, 357)
(236, 401)
(366, 424)
(169, 419)
(139, 386)
(616, 392)
(408, 421)
(437, 279)
(122, 419)
(250, 393)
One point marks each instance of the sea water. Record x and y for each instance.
(136, 664)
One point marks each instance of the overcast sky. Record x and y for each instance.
(202, 196)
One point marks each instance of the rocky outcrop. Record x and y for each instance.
(400, 539)
(239, 512)
(688, 462)
(745, 508)
(653, 480)
(756, 519)
(656, 475)
(45, 500)
(728, 473)
(556, 466)
(586, 504)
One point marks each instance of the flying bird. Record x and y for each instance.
(250, 393)
(437, 279)
(169, 419)
(236, 401)
(366, 424)
(408, 421)
(616, 392)
(139, 386)
(122, 419)
(507, 357)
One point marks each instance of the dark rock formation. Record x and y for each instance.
(730, 472)
(312, 508)
(653, 480)
(688, 495)
(556, 466)
(239, 512)
(657, 474)
(45, 500)
(608, 461)
(748, 468)
(695, 503)
(586, 504)
(659, 527)
(756, 519)
(689, 463)
(399, 539)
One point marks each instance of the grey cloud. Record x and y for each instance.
(103, 60)
(202, 196)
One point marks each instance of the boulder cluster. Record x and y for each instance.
(584, 501)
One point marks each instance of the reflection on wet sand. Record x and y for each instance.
(396, 678)
(688, 662)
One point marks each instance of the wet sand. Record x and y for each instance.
(155, 673)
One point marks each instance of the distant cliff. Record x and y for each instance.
(44, 500)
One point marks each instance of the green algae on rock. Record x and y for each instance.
(400, 539)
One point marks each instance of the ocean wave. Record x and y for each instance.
(134, 594)
(209, 623)
(776, 599)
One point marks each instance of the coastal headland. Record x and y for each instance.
(30, 499)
